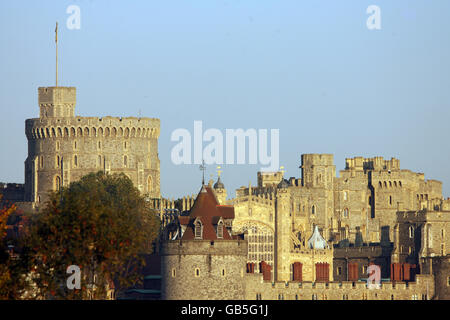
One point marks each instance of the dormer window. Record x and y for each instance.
(198, 230)
(220, 229)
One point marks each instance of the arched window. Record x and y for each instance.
(346, 213)
(313, 209)
(345, 195)
(198, 230)
(390, 200)
(57, 183)
(411, 232)
(220, 229)
(75, 161)
(125, 161)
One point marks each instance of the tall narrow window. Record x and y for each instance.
(313, 209)
(411, 232)
(198, 230)
(125, 161)
(345, 213)
(57, 183)
(75, 161)
(220, 230)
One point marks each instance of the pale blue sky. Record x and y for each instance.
(309, 68)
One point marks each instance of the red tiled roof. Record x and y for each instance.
(206, 208)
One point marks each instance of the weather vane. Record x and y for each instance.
(203, 168)
(219, 171)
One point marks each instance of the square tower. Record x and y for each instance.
(57, 102)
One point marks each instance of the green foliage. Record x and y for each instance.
(100, 223)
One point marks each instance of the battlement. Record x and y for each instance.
(316, 159)
(54, 95)
(205, 247)
(422, 216)
(42, 128)
(422, 288)
(57, 101)
(376, 163)
(268, 179)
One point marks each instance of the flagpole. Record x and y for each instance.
(56, 43)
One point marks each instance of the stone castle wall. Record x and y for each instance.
(203, 269)
(256, 288)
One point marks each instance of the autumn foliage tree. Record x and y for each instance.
(9, 268)
(100, 223)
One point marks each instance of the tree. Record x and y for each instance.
(101, 224)
(12, 268)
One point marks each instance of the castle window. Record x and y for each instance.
(258, 296)
(339, 271)
(198, 230)
(223, 272)
(442, 249)
(174, 273)
(125, 161)
(75, 161)
(99, 145)
(125, 145)
(313, 210)
(314, 296)
(442, 233)
(220, 229)
(280, 296)
(197, 272)
(41, 162)
(75, 145)
(346, 213)
(57, 145)
(390, 200)
(414, 297)
(58, 161)
(411, 232)
(57, 183)
(345, 195)
(392, 297)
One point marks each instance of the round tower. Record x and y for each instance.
(62, 147)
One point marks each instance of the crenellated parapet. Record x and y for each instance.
(92, 127)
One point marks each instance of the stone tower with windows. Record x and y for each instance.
(63, 147)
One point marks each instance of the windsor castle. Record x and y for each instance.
(311, 237)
